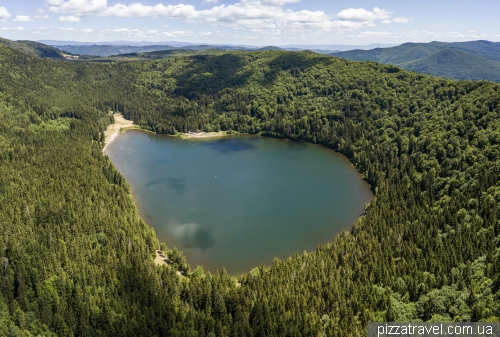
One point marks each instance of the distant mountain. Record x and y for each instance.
(33, 48)
(317, 51)
(154, 55)
(458, 64)
(270, 48)
(176, 44)
(217, 47)
(336, 47)
(319, 48)
(474, 60)
(109, 50)
(115, 43)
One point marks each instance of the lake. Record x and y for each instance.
(239, 201)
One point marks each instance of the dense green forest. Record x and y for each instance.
(472, 60)
(76, 259)
(33, 48)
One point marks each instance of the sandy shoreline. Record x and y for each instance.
(114, 129)
(122, 124)
(191, 135)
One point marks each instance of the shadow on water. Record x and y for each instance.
(297, 145)
(229, 145)
(193, 235)
(156, 182)
(176, 184)
(163, 161)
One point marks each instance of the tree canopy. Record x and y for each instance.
(76, 259)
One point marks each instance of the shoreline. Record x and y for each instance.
(195, 135)
(159, 260)
(114, 129)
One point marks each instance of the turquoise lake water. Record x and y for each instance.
(239, 201)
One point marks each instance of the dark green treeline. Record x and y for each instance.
(77, 260)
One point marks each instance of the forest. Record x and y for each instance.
(77, 260)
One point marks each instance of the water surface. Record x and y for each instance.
(238, 202)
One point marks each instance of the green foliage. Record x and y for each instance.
(61, 123)
(33, 48)
(76, 259)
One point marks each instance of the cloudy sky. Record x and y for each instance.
(253, 22)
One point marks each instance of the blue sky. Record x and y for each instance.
(253, 22)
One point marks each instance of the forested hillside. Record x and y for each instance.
(33, 48)
(77, 259)
(472, 60)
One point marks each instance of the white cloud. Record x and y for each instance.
(70, 18)
(125, 32)
(77, 7)
(278, 2)
(206, 34)
(72, 30)
(210, 2)
(139, 10)
(43, 31)
(385, 22)
(361, 14)
(20, 28)
(375, 34)
(22, 18)
(401, 19)
(4, 14)
(264, 16)
(41, 17)
(177, 33)
(419, 36)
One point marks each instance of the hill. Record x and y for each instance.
(33, 48)
(456, 63)
(270, 48)
(78, 260)
(110, 50)
(154, 55)
(462, 60)
(107, 50)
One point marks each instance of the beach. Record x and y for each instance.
(114, 129)
(190, 135)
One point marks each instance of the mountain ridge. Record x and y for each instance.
(471, 60)
(33, 48)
